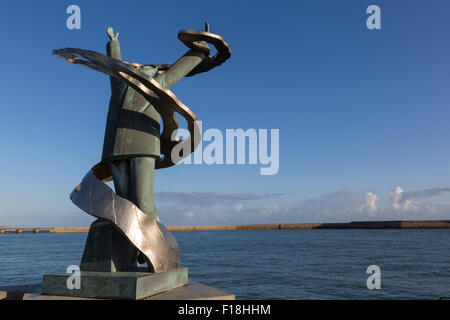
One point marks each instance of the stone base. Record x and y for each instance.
(115, 285)
(193, 291)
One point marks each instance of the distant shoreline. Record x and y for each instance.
(405, 224)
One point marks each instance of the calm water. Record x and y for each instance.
(271, 264)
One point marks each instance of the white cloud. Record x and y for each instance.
(271, 208)
(396, 195)
(398, 201)
(370, 205)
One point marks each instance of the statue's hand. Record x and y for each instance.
(111, 34)
(207, 30)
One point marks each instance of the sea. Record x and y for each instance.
(272, 264)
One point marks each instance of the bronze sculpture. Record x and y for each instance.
(128, 227)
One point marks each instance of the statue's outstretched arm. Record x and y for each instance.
(183, 66)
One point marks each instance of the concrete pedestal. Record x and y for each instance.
(192, 291)
(115, 285)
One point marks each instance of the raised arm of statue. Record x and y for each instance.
(113, 46)
(113, 51)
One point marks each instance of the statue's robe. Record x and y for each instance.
(133, 125)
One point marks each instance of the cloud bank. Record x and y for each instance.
(215, 208)
(219, 208)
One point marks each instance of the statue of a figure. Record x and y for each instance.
(133, 144)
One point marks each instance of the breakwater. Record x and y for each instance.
(413, 224)
(416, 224)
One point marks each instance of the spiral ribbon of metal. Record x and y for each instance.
(158, 245)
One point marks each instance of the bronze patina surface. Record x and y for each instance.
(116, 285)
(128, 229)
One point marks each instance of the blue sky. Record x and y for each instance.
(363, 114)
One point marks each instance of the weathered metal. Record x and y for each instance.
(149, 236)
(134, 147)
(112, 285)
(161, 98)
